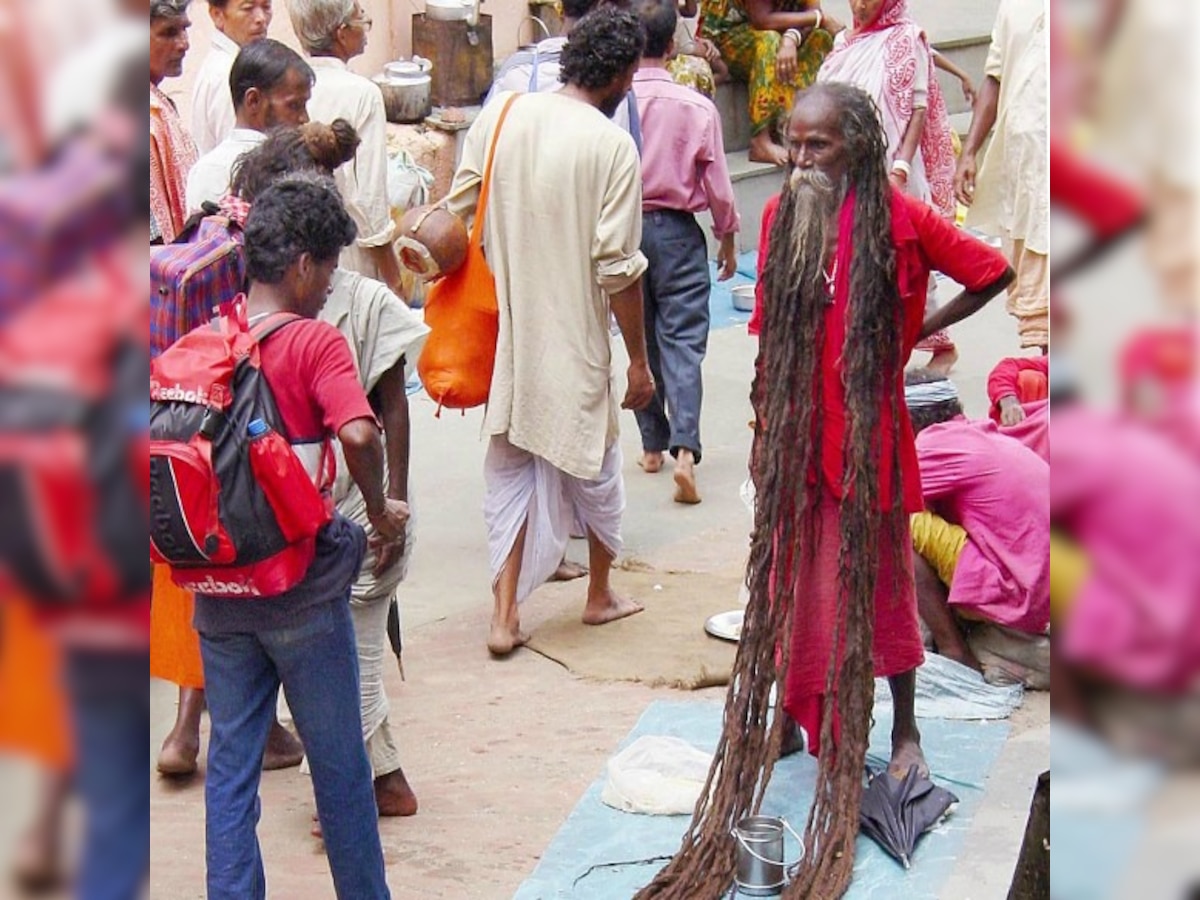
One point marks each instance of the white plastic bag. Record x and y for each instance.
(408, 184)
(657, 776)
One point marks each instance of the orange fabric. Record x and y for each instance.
(1032, 387)
(174, 643)
(463, 316)
(34, 716)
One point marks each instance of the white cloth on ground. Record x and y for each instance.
(524, 489)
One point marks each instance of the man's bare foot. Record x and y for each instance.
(36, 867)
(568, 571)
(504, 638)
(608, 606)
(764, 149)
(179, 752)
(651, 462)
(283, 749)
(393, 796)
(685, 479)
(943, 361)
(906, 753)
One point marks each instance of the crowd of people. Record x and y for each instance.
(848, 251)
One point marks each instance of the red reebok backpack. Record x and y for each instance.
(233, 510)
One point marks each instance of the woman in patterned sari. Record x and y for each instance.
(776, 46)
(887, 54)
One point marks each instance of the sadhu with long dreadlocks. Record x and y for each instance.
(834, 464)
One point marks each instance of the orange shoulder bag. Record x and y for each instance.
(463, 316)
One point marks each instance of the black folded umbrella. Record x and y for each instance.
(895, 812)
(394, 636)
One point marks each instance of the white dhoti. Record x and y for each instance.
(522, 489)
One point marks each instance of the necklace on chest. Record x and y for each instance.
(830, 275)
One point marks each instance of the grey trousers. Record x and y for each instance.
(676, 291)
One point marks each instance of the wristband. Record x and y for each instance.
(794, 34)
(902, 166)
(820, 17)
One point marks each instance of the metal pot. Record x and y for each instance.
(407, 86)
(449, 10)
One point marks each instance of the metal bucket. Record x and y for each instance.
(761, 871)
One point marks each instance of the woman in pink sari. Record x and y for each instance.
(887, 54)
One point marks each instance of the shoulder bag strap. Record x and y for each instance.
(486, 187)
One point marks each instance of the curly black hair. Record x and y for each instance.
(300, 213)
(605, 45)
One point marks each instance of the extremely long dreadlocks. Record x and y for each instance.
(786, 397)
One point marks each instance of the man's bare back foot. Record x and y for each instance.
(608, 606)
(764, 149)
(37, 863)
(504, 638)
(394, 796)
(283, 749)
(906, 753)
(685, 479)
(568, 571)
(651, 462)
(179, 753)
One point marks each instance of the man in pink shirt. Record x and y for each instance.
(995, 565)
(683, 173)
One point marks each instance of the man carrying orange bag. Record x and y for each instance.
(561, 232)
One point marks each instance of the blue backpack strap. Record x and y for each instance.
(635, 122)
(533, 73)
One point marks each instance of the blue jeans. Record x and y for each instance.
(110, 705)
(315, 660)
(676, 291)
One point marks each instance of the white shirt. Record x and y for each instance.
(1012, 189)
(212, 101)
(340, 93)
(210, 176)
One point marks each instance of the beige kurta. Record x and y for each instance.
(340, 93)
(562, 231)
(1012, 198)
(380, 329)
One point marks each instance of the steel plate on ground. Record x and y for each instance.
(727, 625)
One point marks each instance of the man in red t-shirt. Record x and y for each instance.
(845, 264)
(302, 639)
